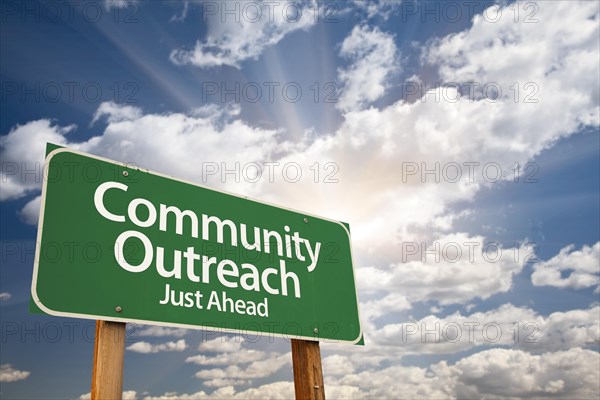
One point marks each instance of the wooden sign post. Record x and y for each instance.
(308, 372)
(109, 350)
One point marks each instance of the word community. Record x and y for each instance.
(197, 268)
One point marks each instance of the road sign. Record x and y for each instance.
(124, 244)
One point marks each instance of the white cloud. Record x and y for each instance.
(22, 154)
(270, 391)
(454, 269)
(109, 4)
(116, 113)
(182, 15)
(559, 52)
(222, 344)
(392, 302)
(127, 395)
(582, 266)
(337, 365)
(159, 331)
(373, 58)
(259, 25)
(145, 347)
(4, 296)
(31, 212)
(231, 354)
(493, 374)
(500, 373)
(257, 369)
(177, 140)
(241, 356)
(505, 326)
(411, 382)
(374, 8)
(224, 382)
(394, 336)
(563, 330)
(9, 374)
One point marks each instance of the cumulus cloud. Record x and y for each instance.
(178, 139)
(582, 268)
(9, 374)
(109, 4)
(270, 391)
(411, 382)
(494, 373)
(373, 58)
(159, 331)
(502, 373)
(224, 382)
(222, 344)
(127, 395)
(392, 302)
(505, 326)
(31, 212)
(4, 296)
(337, 365)
(377, 8)
(116, 113)
(146, 348)
(230, 353)
(260, 365)
(454, 269)
(254, 370)
(22, 154)
(246, 35)
(242, 356)
(496, 53)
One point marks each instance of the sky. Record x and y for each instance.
(459, 140)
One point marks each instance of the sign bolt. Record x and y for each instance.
(305, 220)
(125, 173)
(316, 330)
(118, 309)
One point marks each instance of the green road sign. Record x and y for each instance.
(125, 244)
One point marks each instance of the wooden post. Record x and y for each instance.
(308, 373)
(109, 349)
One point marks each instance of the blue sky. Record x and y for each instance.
(371, 88)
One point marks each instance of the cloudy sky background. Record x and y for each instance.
(507, 250)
